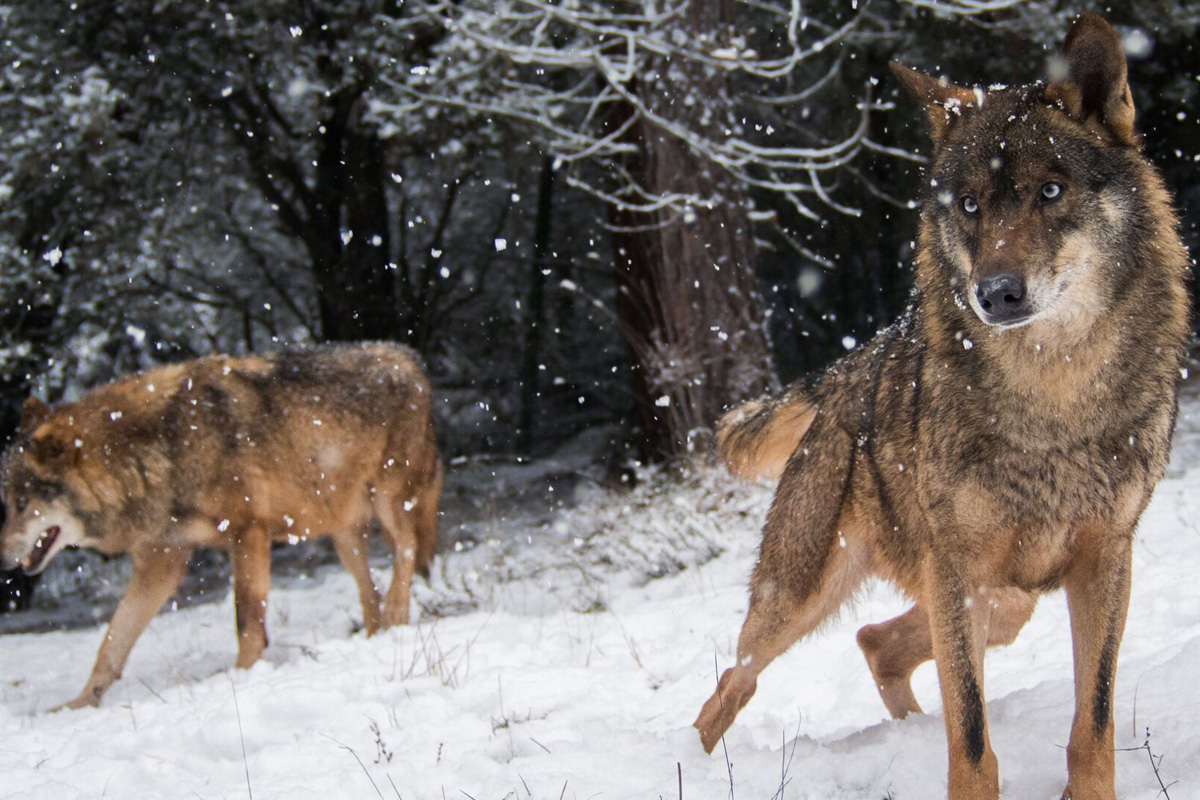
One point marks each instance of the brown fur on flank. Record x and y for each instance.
(975, 459)
(233, 453)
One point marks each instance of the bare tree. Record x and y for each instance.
(644, 106)
(688, 295)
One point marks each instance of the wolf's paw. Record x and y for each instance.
(891, 668)
(87, 699)
(734, 690)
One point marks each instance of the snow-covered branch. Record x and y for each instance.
(587, 78)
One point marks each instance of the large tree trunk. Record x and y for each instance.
(688, 299)
(349, 248)
(535, 311)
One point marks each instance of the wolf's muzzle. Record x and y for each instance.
(33, 562)
(1003, 299)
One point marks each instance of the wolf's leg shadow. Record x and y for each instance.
(1098, 597)
(959, 619)
(894, 649)
(157, 573)
(398, 524)
(351, 548)
(814, 554)
(251, 557)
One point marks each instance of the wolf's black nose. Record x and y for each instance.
(1002, 298)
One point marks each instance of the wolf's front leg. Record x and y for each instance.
(958, 619)
(1098, 597)
(157, 572)
(251, 556)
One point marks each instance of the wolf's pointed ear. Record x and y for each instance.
(52, 448)
(1090, 79)
(33, 412)
(943, 101)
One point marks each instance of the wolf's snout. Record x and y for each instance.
(1002, 298)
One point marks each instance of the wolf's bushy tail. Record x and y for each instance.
(757, 438)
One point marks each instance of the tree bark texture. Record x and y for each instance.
(688, 300)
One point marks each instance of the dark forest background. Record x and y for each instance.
(583, 214)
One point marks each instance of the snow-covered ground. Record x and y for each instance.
(567, 659)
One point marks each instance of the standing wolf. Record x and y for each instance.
(231, 453)
(1003, 438)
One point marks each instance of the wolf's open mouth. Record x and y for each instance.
(41, 549)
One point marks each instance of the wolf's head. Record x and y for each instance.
(41, 518)
(1033, 215)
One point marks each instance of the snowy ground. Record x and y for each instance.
(567, 659)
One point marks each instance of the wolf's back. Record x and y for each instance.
(757, 438)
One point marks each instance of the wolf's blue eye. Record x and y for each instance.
(969, 205)
(1052, 191)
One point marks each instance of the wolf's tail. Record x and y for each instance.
(426, 521)
(757, 438)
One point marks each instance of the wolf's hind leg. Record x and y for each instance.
(398, 523)
(352, 550)
(156, 575)
(251, 556)
(894, 649)
(775, 621)
(803, 574)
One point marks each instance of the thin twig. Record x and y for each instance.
(786, 766)
(350, 750)
(1155, 762)
(241, 736)
(721, 699)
